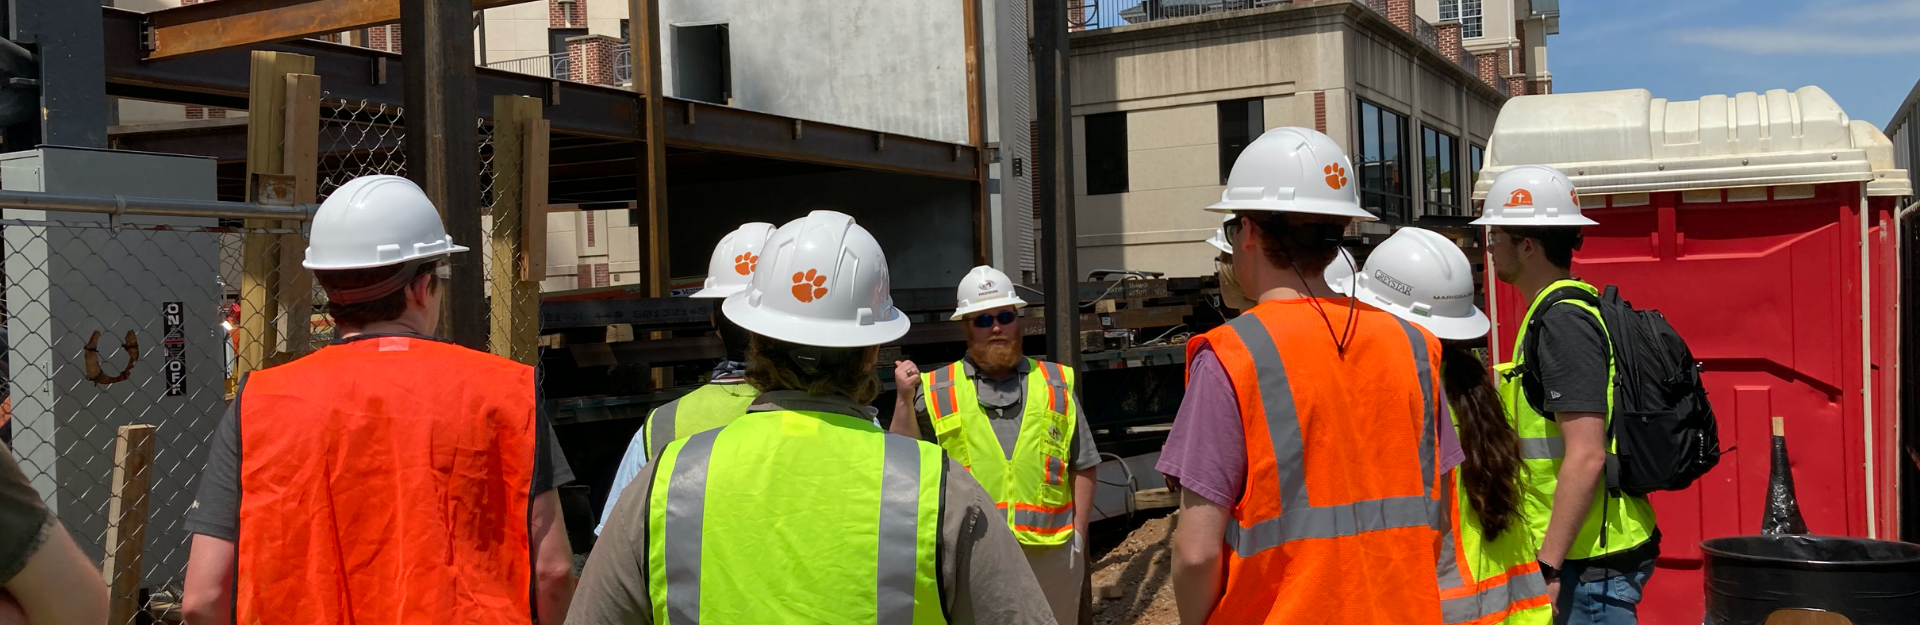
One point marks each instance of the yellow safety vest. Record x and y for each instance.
(1032, 488)
(708, 407)
(1615, 522)
(1488, 582)
(795, 517)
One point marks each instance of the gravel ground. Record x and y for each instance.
(1141, 566)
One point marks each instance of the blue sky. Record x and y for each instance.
(1865, 53)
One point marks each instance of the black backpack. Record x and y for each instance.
(1663, 427)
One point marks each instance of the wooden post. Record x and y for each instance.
(442, 148)
(300, 158)
(260, 256)
(977, 131)
(519, 193)
(127, 520)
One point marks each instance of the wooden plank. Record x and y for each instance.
(211, 26)
(1155, 498)
(533, 222)
(977, 129)
(300, 158)
(260, 258)
(127, 519)
(514, 331)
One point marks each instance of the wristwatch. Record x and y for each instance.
(1547, 571)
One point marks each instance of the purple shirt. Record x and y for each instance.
(1206, 452)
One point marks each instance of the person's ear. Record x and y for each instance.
(421, 288)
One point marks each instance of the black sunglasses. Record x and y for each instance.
(1231, 228)
(1005, 318)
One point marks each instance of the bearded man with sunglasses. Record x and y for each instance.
(1015, 424)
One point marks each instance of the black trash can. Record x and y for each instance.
(1871, 582)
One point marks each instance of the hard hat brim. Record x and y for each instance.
(1580, 220)
(718, 292)
(1465, 328)
(1307, 207)
(309, 264)
(1343, 287)
(991, 304)
(1219, 242)
(814, 332)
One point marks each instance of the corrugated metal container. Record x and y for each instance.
(1761, 225)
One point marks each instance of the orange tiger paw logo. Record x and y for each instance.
(809, 286)
(745, 263)
(1336, 176)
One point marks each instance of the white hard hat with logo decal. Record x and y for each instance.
(822, 281)
(985, 288)
(1532, 195)
(1294, 170)
(731, 267)
(375, 221)
(1424, 278)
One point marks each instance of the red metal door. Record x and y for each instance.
(1768, 295)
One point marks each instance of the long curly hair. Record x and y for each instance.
(776, 365)
(1490, 474)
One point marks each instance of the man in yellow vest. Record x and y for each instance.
(724, 397)
(803, 510)
(1596, 547)
(1016, 424)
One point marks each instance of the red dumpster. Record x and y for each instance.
(1761, 225)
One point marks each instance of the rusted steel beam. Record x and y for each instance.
(226, 24)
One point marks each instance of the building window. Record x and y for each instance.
(557, 38)
(1476, 154)
(1441, 176)
(1106, 153)
(703, 63)
(1467, 12)
(1241, 121)
(1382, 163)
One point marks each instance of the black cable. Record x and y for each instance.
(1342, 340)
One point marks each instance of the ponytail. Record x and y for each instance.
(1490, 475)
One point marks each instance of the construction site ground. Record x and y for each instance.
(1132, 571)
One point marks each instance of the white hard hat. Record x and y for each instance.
(1219, 239)
(731, 267)
(1295, 170)
(374, 221)
(822, 281)
(1532, 195)
(985, 288)
(1422, 277)
(1339, 273)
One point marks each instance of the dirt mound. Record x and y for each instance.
(1141, 567)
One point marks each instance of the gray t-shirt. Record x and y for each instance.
(1573, 362)
(984, 577)
(216, 507)
(1004, 401)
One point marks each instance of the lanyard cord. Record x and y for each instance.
(1343, 339)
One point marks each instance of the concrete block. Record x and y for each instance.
(625, 267)
(563, 221)
(624, 278)
(563, 248)
(562, 270)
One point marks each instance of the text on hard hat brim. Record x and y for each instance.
(813, 332)
(1012, 300)
(1470, 327)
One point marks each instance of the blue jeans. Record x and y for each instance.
(1607, 601)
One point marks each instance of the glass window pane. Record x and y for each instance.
(1392, 130)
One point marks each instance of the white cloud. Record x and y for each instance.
(1824, 28)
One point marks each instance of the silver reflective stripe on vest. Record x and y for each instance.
(1547, 448)
(942, 380)
(686, 512)
(1299, 519)
(1043, 520)
(1057, 383)
(1428, 418)
(1330, 522)
(898, 556)
(1493, 600)
(1448, 569)
(660, 428)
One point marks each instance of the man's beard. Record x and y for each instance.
(995, 356)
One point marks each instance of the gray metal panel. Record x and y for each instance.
(64, 283)
(1014, 65)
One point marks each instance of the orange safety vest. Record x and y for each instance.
(1338, 519)
(385, 480)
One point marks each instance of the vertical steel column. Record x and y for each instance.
(442, 147)
(66, 37)
(1053, 162)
